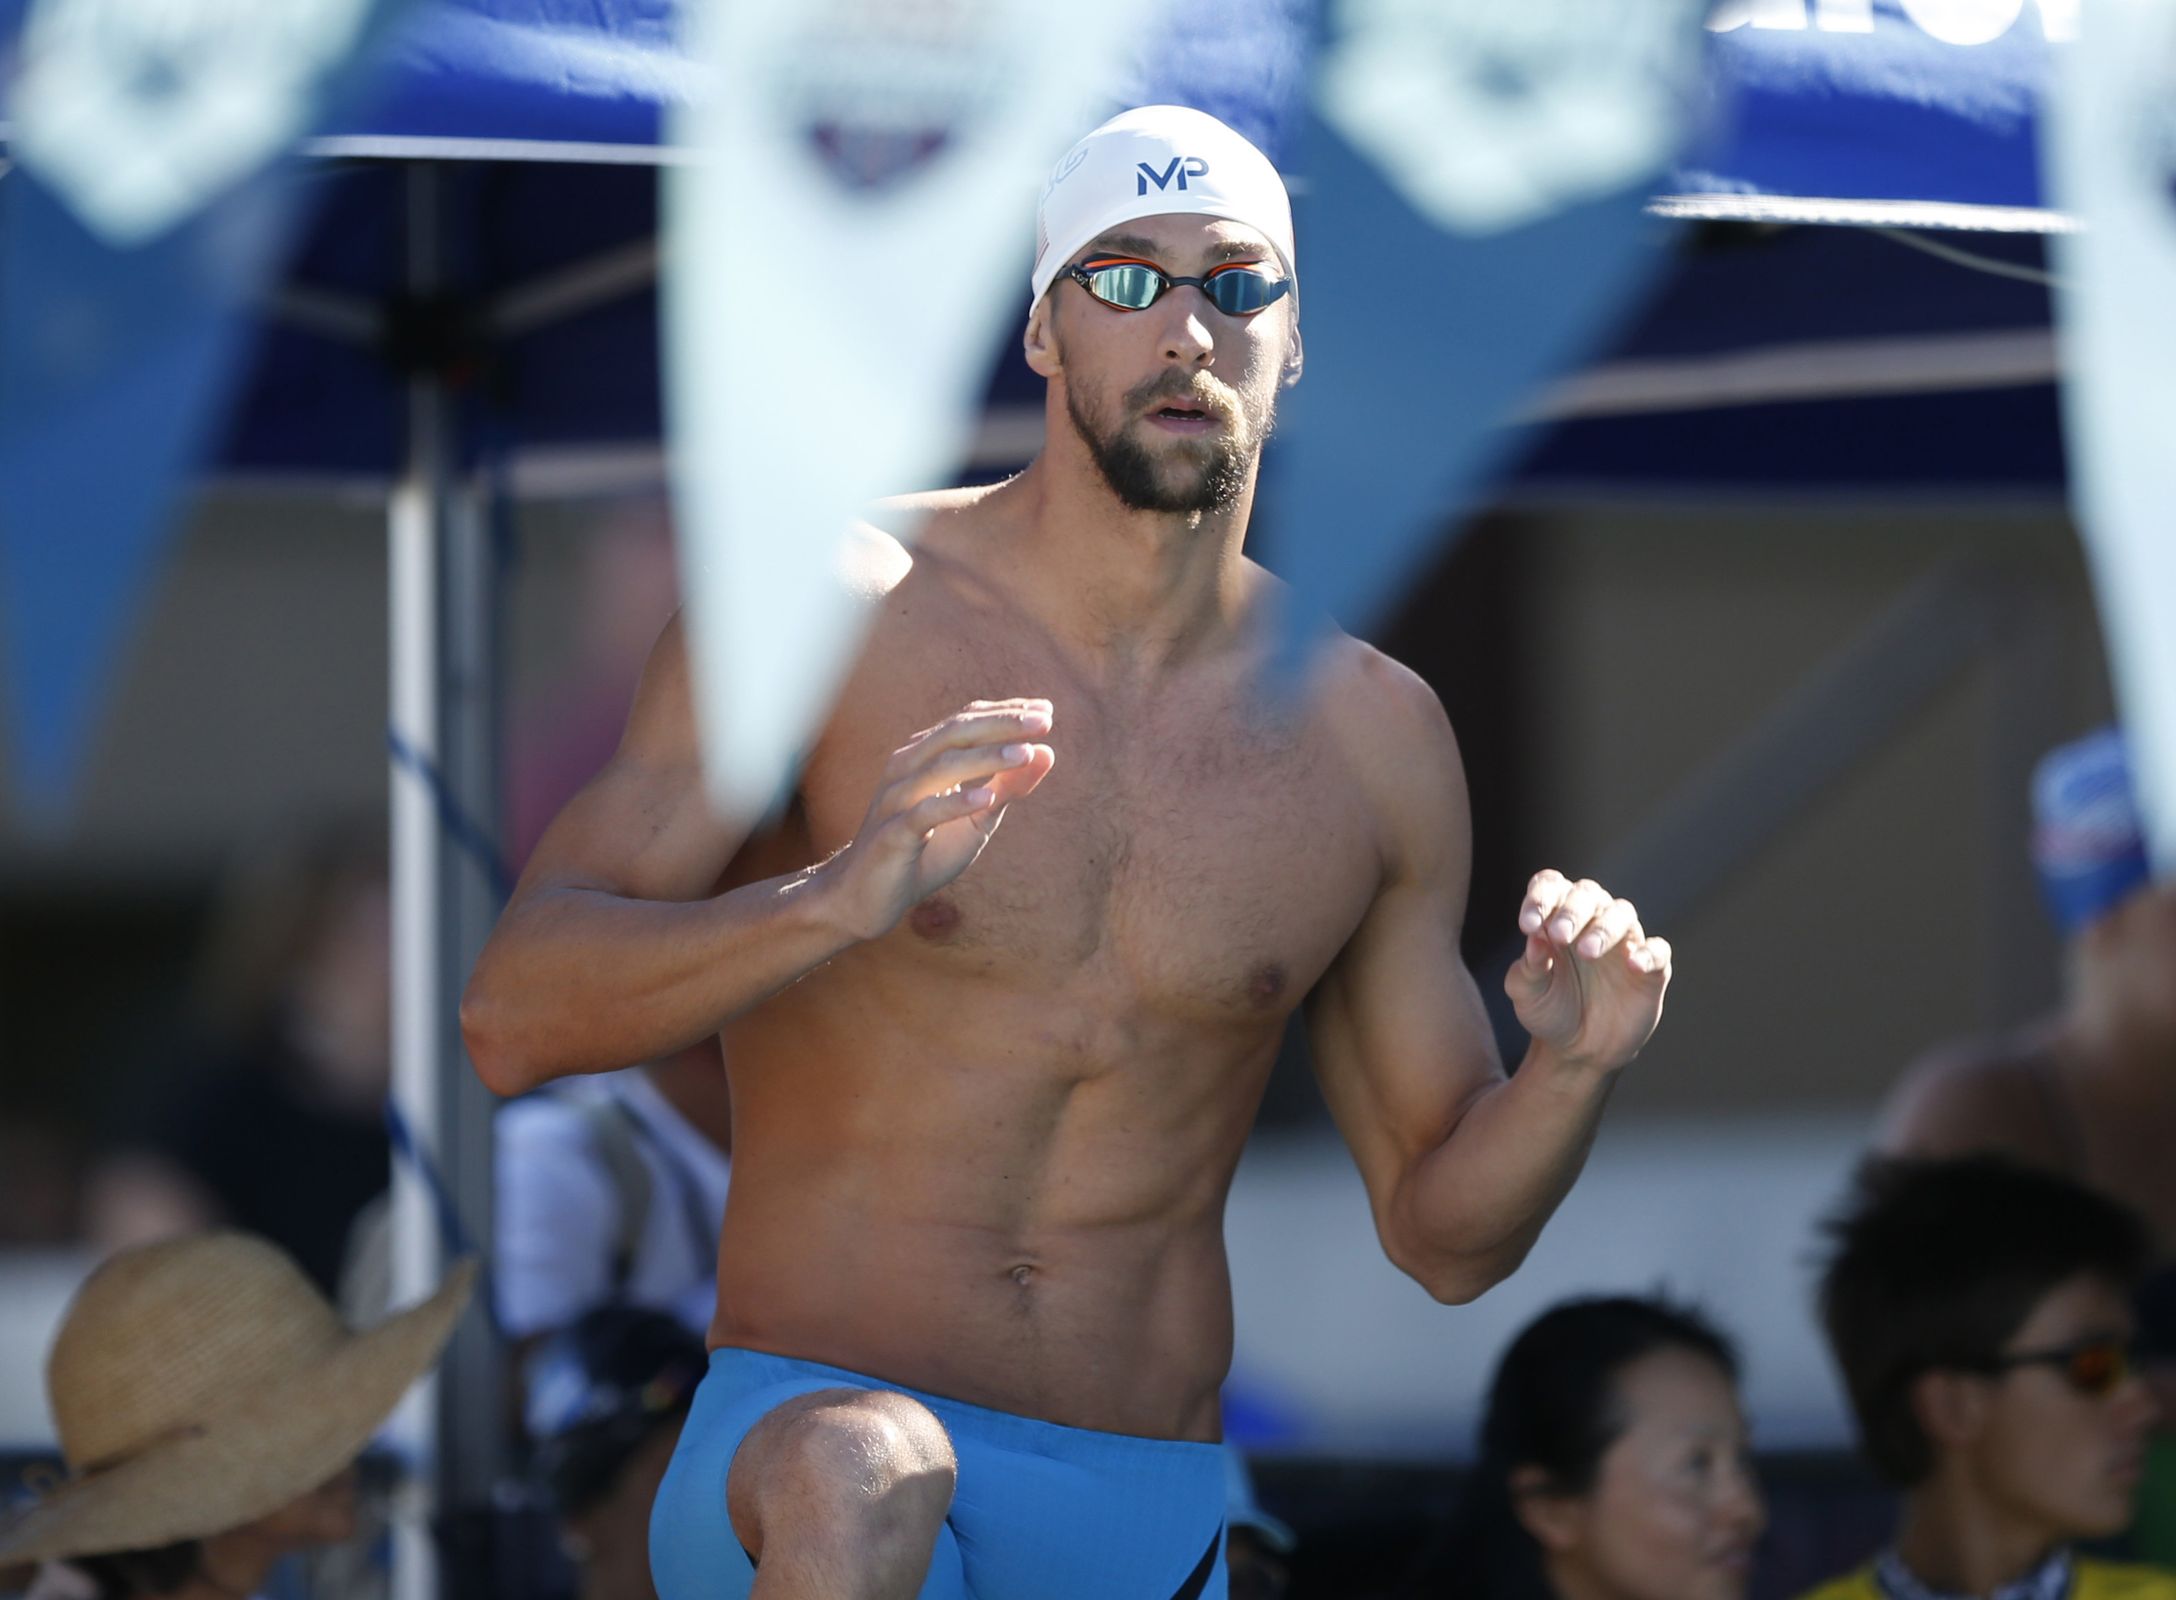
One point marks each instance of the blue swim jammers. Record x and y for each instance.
(1041, 1512)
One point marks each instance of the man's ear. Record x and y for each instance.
(1040, 342)
(1555, 1520)
(1950, 1407)
(1295, 359)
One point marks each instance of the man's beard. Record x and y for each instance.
(1141, 481)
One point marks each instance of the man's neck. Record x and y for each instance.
(1955, 1542)
(1130, 590)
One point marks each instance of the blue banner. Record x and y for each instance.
(1906, 112)
(1472, 224)
(110, 380)
(136, 228)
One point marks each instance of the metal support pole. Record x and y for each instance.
(419, 1256)
(443, 738)
(472, 1415)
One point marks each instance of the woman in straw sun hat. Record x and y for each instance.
(211, 1404)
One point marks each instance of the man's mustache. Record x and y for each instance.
(1205, 393)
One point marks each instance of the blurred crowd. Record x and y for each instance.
(1997, 1289)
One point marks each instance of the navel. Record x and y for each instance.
(934, 918)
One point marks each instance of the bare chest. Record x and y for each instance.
(1198, 854)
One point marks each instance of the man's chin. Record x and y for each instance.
(1186, 462)
(1167, 453)
(1186, 491)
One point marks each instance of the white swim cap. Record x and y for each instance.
(1150, 161)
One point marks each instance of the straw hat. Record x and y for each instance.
(201, 1383)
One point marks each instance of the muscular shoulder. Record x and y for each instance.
(871, 562)
(921, 549)
(904, 513)
(932, 524)
(911, 571)
(1399, 746)
(1974, 1096)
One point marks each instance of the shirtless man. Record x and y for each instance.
(990, 1085)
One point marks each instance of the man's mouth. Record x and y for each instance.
(1183, 416)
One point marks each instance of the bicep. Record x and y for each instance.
(643, 827)
(1401, 1040)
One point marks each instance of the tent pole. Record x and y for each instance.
(418, 1252)
(473, 1430)
(443, 739)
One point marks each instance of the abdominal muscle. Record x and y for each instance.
(931, 1195)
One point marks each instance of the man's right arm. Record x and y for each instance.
(614, 949)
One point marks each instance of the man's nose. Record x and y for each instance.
(1186, 337)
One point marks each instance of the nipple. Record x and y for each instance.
(934, 918)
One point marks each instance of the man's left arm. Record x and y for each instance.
(1463, 1165)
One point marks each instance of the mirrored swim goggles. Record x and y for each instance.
(1239, 289)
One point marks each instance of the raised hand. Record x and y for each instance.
(1589, 985)
(942, 795)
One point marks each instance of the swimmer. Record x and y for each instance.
(1003, 985)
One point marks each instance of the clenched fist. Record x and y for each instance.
(1589, 985)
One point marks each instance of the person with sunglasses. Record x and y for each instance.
(2086, 1091)
(990, 1085)
(1980, 1312)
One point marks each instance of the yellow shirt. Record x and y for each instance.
(2094, 1580)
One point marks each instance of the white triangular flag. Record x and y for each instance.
(2111, 159)
(845, 244)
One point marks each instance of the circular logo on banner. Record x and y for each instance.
(1490, 114)
(138, 112)
(876, 90)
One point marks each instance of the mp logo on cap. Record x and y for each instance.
(1183, 167)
